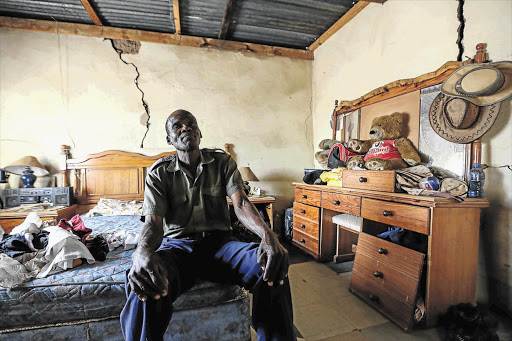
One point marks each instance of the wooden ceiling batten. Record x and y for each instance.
(226, 20)
(147, 36)
(92, 13)
(339, 24)
(176, 14)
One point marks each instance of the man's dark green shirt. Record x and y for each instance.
(191, 204)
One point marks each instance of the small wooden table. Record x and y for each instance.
(12, 217)
(267, 201)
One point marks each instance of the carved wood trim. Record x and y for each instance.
(401, 87)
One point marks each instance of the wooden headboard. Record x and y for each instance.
(112, 174)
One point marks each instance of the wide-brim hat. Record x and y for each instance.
(480, 84)
(457, 120)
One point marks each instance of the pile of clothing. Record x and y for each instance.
(36, 249)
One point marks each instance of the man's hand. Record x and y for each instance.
(273, 258)
(148, 276)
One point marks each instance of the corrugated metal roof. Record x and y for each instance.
(58, 10)
(147, 15)
(284, 23)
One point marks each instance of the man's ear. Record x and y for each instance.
(168, 140)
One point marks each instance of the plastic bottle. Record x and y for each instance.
(476, 181)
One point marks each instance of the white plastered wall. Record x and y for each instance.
(63, 89)
(404, 39)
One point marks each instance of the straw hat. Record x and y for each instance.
(481, 84)
(457, 120)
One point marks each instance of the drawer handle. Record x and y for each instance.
(303, 241)
(336, 202)
(382, 251)
(362, 179)
(302, 226)
(374, 298)
(303, 211)
(378, 274)
(387, 213)
(304, 196)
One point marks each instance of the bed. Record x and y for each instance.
(84, 303)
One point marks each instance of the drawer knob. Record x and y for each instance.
(362, 179)
(303, 211)
(303, 241)
(336, 202)
(302, 226)
(304, 196)
(378, 274)
(387, 213)
(374, 298)
(382, 251)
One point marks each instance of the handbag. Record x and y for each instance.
(339, 156)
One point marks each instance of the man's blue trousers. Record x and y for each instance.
(217, 258)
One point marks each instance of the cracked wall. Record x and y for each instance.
(74, 90)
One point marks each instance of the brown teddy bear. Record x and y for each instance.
(387, 149)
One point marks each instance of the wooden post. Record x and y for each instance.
(477, 152)
(334, 120)
(481, 53)
(64, 155)
(226, 148)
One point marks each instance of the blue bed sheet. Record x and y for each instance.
(91, 291)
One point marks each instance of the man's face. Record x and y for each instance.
(184, 134)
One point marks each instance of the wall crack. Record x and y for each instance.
(132, 47)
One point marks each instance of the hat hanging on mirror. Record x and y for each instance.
(481, 84)
(457, 120)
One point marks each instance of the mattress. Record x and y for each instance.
(91, 292)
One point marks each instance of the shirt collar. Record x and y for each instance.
(174, 165)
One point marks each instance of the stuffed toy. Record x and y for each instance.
(325, 145)
(386, 149)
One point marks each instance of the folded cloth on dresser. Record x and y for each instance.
(408, 179)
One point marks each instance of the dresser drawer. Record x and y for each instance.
(387, 277)
(410, 217)
(305, 226)
(306, 212)
(307, 196)
(405, 260)
(305, 241)
(397, 310)
(341, 203)
(383, 181)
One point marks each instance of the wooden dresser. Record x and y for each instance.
(386, 275)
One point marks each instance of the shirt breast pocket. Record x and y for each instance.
(215, 204)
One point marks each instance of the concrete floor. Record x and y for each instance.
(325, 310)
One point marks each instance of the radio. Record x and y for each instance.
(58, 196)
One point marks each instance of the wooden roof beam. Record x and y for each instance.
(226, 20)
(176, 14)
(351, 13)
(147, 36)
(92, 13)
